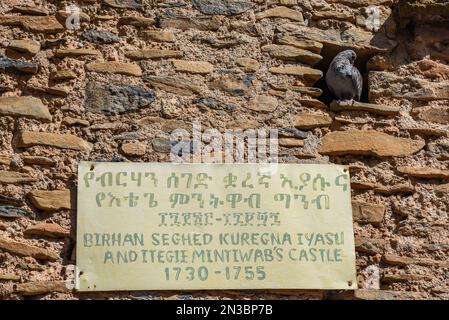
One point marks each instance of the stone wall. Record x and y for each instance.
(114, 89)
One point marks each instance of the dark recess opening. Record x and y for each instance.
(328, 54)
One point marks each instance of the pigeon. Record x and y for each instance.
(343, 79)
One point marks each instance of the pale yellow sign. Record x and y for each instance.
(151, 226)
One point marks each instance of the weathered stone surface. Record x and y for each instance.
(442, 189)
(14, 212)
(262, 103)
(51, 200)
(428, 132)
(62, 75)
(371, 143)
(136, 21)
(310, 91)
(386, 84)
(105, 17)
(23, 249)
(134, 149)
(380, 62)
(443, 54)
(205, 103)
(159, 35)
(62, 141)
(248, 27)
(63, 15)
(292, 133)
(11, 177)
(287, 2)
(404, 277)
(370, 246)
(112, 99)
(69, 121)
(100, 37)
(415, 8)
(62, 53)
(433, 70)
(167, 125)
(51, 230)
(397, 188)
(223, 42)
(364, 212)
(412, 227)
(38, 24)
(31, 10)
(335, 40)
(313, 103)
(312, 75)
(28, 107)
(361, 185)
(336, 15)
(362, 3)
(372, 294)
(243, 124)
(153, 54)
(348, 120)
(9, 277)
(404, 211)
(290, 142)
(222, 7)
(437, 247)
(277, 93)
(366, 107)
(307, 120)
(115, 126)
(11, 201)
(128, 69)
(11, 65)
(440, 289)
(185, 23)
(174, 85)
(42, 287)
(404, 261)
(25, 46)
(281, 12)
(424, 172)
(302, 43)
(439, 149)
(127, 136)
(290, 53)
(5, 160)
(162, 145)
(57, 90)
(384, 21)
(200, 67)
(433, 114)
(38, 160)
(124, 4)
(248, 64)
(232, 85)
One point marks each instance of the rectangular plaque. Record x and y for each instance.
(164, 226)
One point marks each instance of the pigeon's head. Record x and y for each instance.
(350, 55)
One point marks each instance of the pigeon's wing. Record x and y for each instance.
(330, 77)
(357, 81)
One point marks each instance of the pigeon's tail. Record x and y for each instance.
(357, 81)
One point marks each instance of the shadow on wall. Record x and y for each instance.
(412, 32)
(366, 44)
(424, 29)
